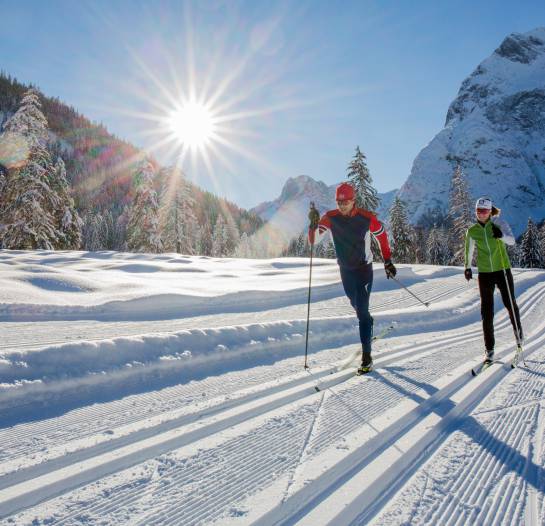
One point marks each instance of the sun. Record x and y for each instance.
(192, 124)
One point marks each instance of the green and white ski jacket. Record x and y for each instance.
(491, 252)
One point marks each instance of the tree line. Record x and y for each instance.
(438, 238)
(157, 211)
(161, 211)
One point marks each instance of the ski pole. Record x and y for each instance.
(314, 217)
(426, 303)
(517, 328)
(308, 304)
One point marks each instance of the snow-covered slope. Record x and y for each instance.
(496, 129)
(120, 405)
(290, 210)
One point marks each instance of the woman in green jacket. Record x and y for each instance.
(490, 235)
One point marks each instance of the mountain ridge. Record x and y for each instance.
(495, 129)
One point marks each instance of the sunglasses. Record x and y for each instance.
(483, 210)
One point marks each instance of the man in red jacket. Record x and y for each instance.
(351, 229)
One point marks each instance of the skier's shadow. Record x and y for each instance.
(430, 389)
(510, 457)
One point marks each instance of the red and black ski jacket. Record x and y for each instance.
(352, 236)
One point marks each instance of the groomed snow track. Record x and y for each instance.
(272, 445)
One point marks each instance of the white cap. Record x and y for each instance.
(484, 202)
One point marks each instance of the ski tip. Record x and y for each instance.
(316, 388)
(473, 373)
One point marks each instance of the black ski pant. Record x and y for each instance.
(487, 284)
(357, 285)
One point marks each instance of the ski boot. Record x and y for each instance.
(488, 356)
(366, 364)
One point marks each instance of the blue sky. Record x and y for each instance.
(306, 80)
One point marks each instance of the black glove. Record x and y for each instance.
(496, 231)
(313, 217)
(468, 274)
(390, 269)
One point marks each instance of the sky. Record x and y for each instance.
(295, 85)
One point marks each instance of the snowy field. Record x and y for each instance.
(162, 389)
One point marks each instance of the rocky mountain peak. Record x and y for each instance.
(521, 48)
(495, 129)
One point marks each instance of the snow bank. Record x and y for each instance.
(86, 364)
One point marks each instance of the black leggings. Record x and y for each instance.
(487, 283)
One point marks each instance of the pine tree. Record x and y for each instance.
(178, 225)
(29, 203)
(329, 252)
(437, 248)
(244, 248)
(204, 239)
(219, 238)
(93, 232)
(360, 178)
(460, 216)
(420, 236)
(232, 235)
(66, 216)
(531, 255)
(143, 225)
(402, 233)
(366, 194)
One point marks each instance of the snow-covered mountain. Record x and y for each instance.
(496, 129)
(290, 210)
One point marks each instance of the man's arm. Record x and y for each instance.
(379, 233)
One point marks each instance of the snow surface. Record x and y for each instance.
(165, 389)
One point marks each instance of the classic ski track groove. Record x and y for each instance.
(174, 393)
(177, 394)
(466, 497)
(415, 350)
(310, 496)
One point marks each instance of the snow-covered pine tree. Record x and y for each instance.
(438, 252)
(66, 216)
(29, 203)
(360, 178)
(219, 238)
(401, 233)
(204, 239)
(530, 248)
(420, 236)
(514, 254)
(542, 238)
(329, 251)
(143, 224)
(460, 215)
(366, 194)
(178, 223)
(244, 249)
(3, 180)
(232, 235)
(93, 238)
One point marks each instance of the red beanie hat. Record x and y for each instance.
(344, 192)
